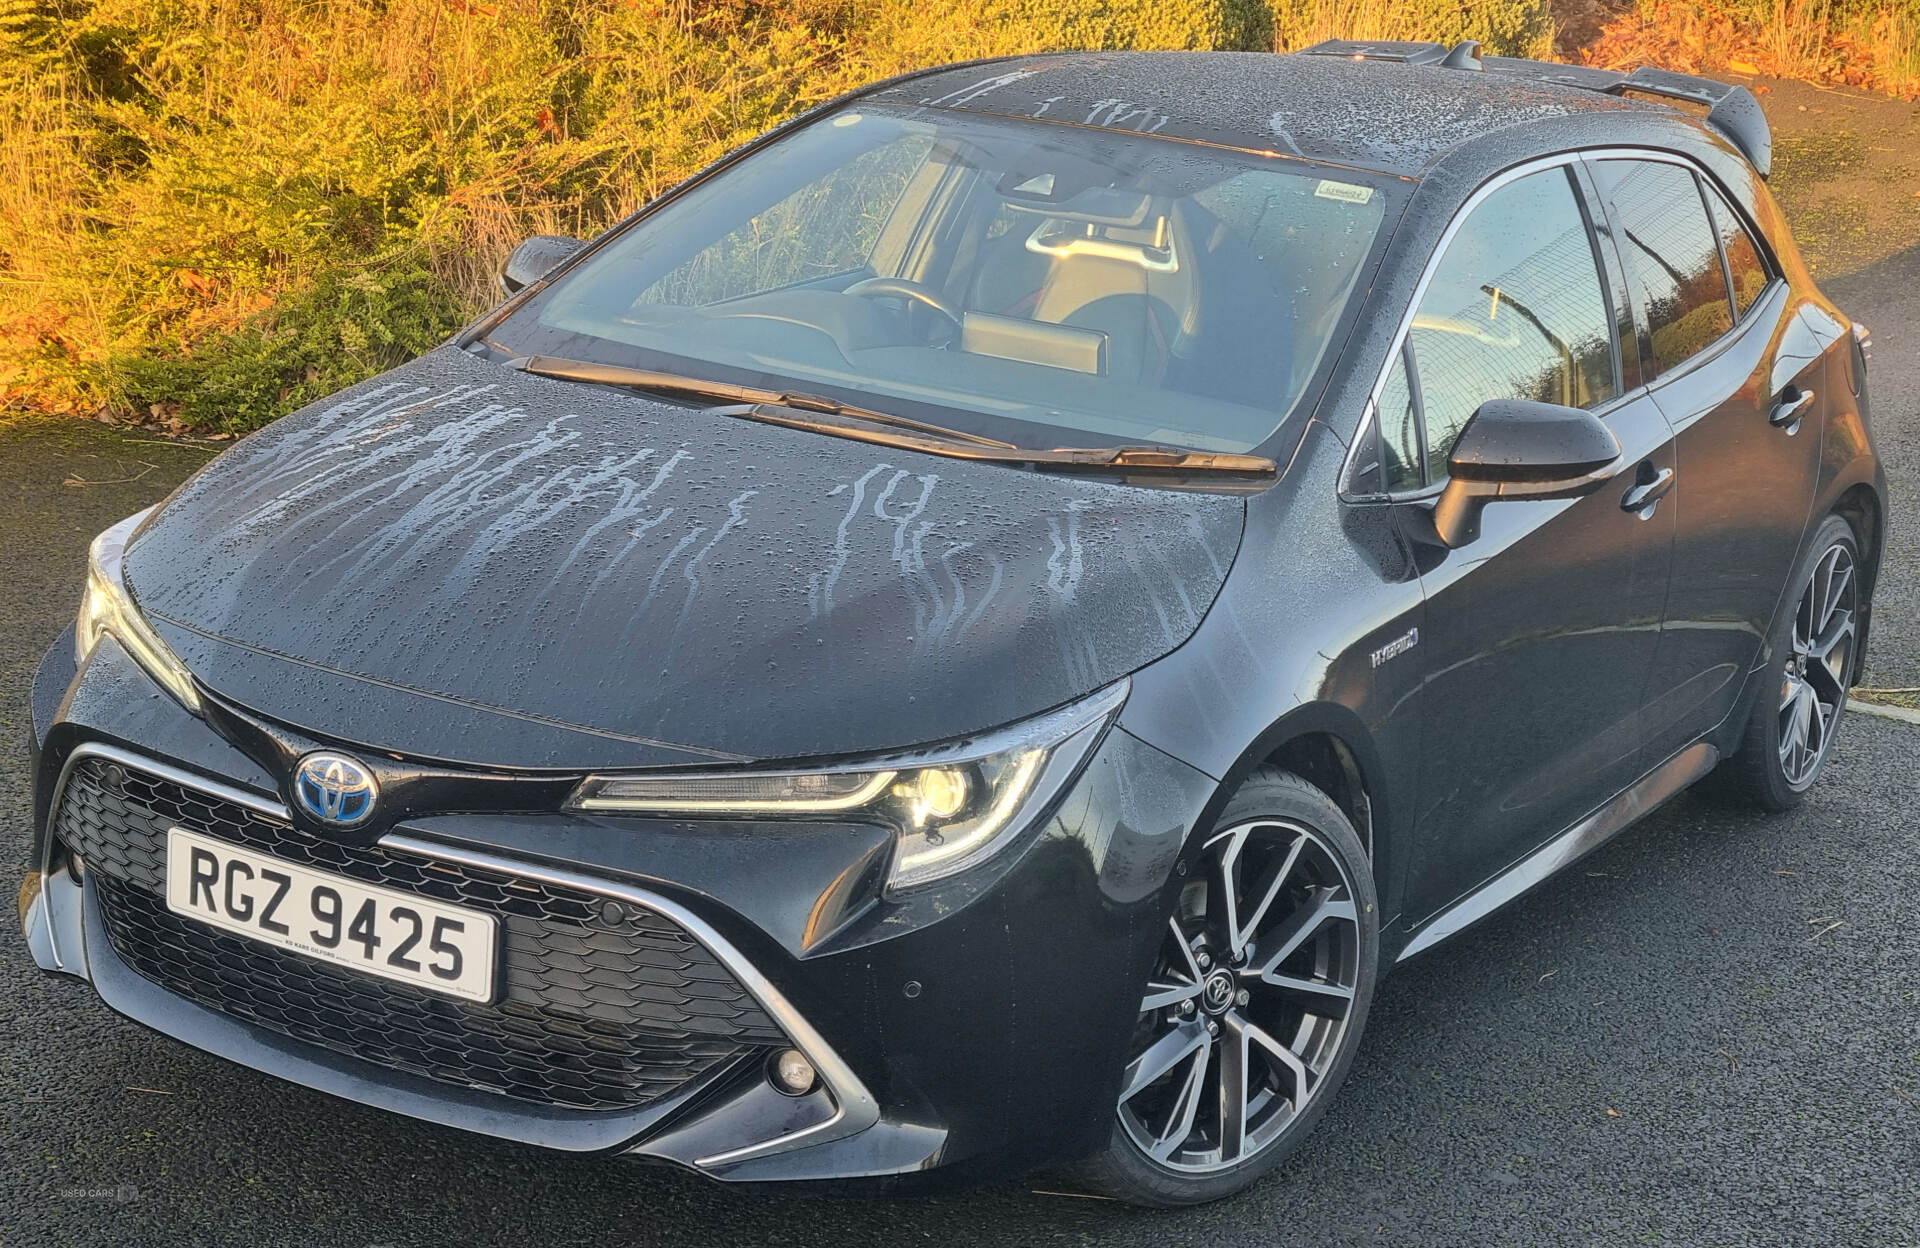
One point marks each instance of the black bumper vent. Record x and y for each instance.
(596, 1008)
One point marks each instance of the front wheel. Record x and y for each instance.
(1804, 688)
(1255, 1006)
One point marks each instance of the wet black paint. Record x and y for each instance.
(1394, 118)
(666, 578)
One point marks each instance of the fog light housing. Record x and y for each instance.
(791, 1073)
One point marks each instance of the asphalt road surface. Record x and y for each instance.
(1707, 1033)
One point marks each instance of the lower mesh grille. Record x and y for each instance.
(600, 1006)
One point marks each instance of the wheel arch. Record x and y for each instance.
(1861, 507)
(1328, 763)
(1864, 510)
(1331, 747)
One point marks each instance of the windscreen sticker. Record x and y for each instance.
(1345, 192)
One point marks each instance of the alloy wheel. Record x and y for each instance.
(1247, 1010)
(1813, 689)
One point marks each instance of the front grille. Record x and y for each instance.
(599, 1005)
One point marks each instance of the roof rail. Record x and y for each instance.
(1731, 109)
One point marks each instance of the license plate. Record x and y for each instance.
(331, 918)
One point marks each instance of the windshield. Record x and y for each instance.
(1034, 283)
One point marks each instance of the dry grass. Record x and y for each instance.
(214, 210)
(1865, 43)
(1518, 29)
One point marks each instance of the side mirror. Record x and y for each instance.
(1512, 448)
(534, 259)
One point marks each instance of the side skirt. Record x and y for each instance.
(1633, 804)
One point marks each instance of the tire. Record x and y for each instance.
(1298, 973)
(1803, 692)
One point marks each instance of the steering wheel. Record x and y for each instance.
(902, 288)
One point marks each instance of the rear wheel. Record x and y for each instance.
(1804, 689)
(1253, 1011)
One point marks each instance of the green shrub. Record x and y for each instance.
(350, 324)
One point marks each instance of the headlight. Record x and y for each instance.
(950, 807)
(105, 607)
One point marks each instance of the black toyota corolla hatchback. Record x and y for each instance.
(971, 633)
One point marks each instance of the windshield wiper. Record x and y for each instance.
(818, 414)
(1090, 458)
(701, 388)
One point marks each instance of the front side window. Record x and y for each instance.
(1672, 256)
(1040, 284)
(1515, 310)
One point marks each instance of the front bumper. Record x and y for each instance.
(980, 1025)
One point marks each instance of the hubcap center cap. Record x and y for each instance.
(1216, 995)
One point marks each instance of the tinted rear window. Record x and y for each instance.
(1744, 265)
(1672, 256)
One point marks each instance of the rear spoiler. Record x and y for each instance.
(1731, 109)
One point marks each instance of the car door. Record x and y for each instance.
(1732, 367)
(1539, 633)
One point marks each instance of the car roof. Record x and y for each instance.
(1388, 116)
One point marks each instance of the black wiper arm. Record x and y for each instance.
(700, 387)
(1093, 458)
(819, 414)
(1169, 459)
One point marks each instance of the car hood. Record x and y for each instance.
(462, 562)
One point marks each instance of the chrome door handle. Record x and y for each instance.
(1644, 497)
(1787, 411)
